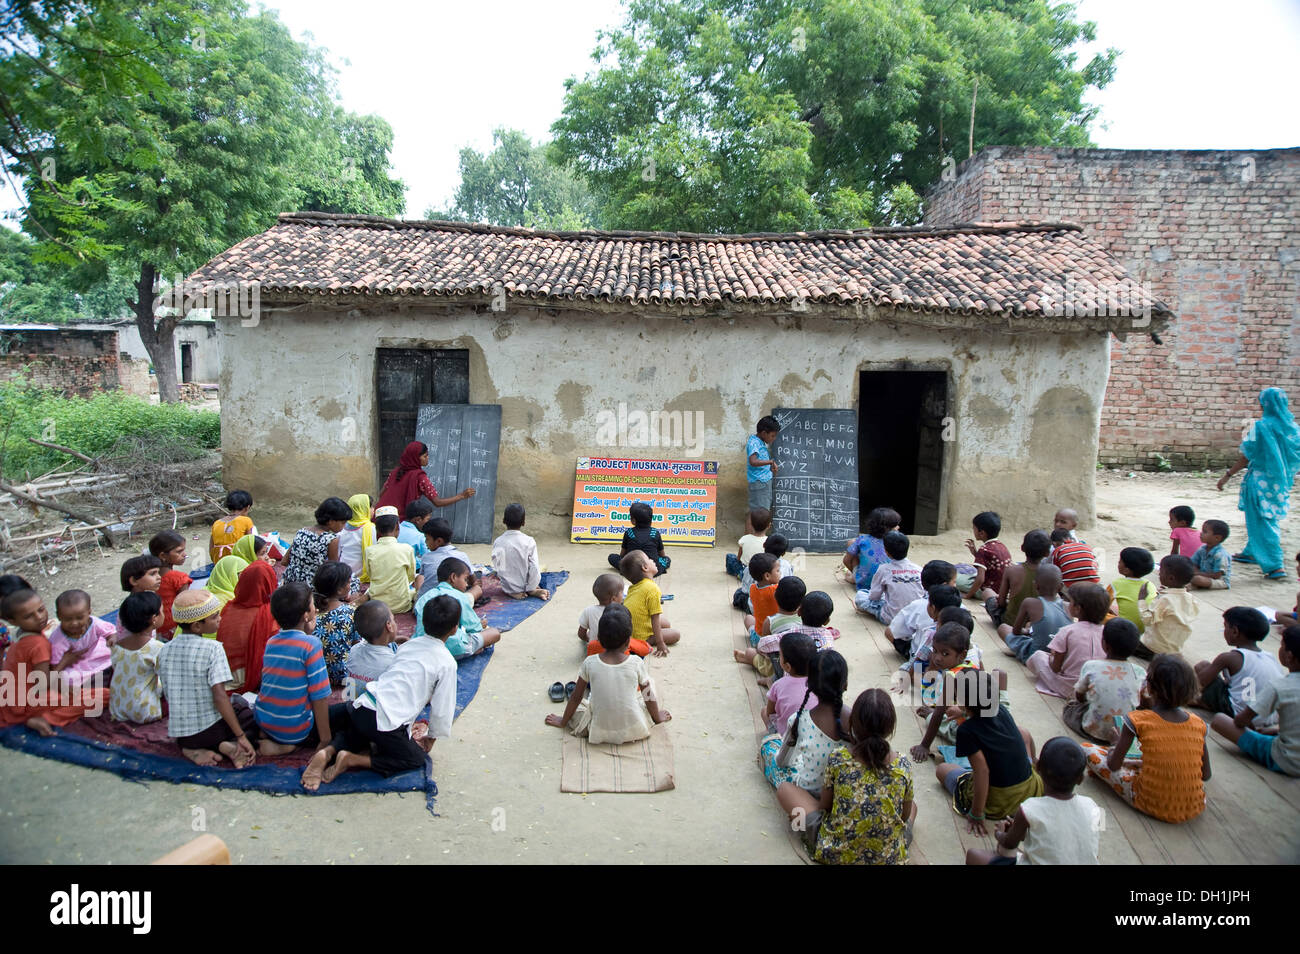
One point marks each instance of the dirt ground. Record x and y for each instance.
(498, 776)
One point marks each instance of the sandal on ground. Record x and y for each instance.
(569, 688)
(1242, 558)
(557, 692)
(1279, 575)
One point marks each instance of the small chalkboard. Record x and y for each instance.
(816, 492)
(464, 442)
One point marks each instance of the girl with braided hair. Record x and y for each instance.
(812, 734)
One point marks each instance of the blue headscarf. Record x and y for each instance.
(1273, 444)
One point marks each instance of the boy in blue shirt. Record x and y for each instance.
(1213, 565)
(471, 637)
(761, 467)
(411, 530)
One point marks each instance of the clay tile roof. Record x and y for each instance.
(995, 269)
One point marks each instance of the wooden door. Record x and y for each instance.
(405, 378)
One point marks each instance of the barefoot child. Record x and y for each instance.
(790, 593)
(1131, 588)
(1233, 679)
(1167, 620)
(371, 658)
(1213, 565)
(1187, 539)
(623, 705)
(378, 730)
(472, 637)
(1168, 781)
(643, 601)
(1039, 618)
(1018, 582)
(756, 523)
(40, 700)
(169, 547)
(137, 695)
(607, 589)
(79, 645)
(812, 733)
(205, 722)
(644, 537)
(1280, 698)
(292, 705)
(227, 530)
(992, 556)
(1107, 689)
(1056, 669)
(1057, 828)
(514, 557)
(897, 581)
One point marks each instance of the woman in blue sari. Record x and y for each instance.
(1271, 452)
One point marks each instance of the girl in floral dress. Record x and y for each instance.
(313, 546)
(816, 732)
(334, 629)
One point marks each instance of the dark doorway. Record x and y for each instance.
(901, 417)
(187, 363)
(406, 378)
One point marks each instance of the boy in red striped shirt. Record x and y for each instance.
(1077, 562)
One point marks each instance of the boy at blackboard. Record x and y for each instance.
(514, 557)
(644, 537)
(761, 467)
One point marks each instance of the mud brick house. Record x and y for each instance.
(1214, 233)
(76, 361)
(966, 383)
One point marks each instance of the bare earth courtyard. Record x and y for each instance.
(498, 776)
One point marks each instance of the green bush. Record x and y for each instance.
(90, 425)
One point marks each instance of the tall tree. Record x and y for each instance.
(775, 114)
(518, 183)
(34, 290)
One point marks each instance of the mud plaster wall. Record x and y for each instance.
(299, 420)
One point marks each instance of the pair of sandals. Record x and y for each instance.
(561, 691)
(1278, 575)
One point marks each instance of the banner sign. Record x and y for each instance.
(683, 493)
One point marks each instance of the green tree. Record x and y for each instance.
(35, 290)
(346, 168)
(518, 183)
(731, 115)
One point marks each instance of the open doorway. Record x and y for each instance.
(900, 444)
(187, 362)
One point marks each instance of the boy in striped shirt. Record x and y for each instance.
(1077, 562)
(293, 704)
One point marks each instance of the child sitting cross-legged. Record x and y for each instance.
(814, 621)
(866, 552)
(437, 542)
(370, 658)
(644, 537)
(643, 600)
(915, 618)
(292, 705)
(765, 571)
(388, 565)
(1019, 581)
(865, 812)
(777, 545)
(1107, 689)
(136, 695)
(1131, 588)
(796, 655)
(897, 581)
(1233, 680)
(514, 556)
(1058, 827)
(756, 523)
(454, 580)
(1213, 565)
(1056, 669)
(991, 556)
(205, 722)
(80, 644)
(169, 547)
(378, 730)
(790, 593)
(623, 705)
(1168, 780)
(1039, 618)
(1167, 620)
(1077, 561)
(607, 589)
(942, 597)
(811, 734)
(1280, 698)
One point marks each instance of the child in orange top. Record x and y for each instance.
(30, 686)
(1167, 782)
(227, 531)
(169, 547)
(766, 571)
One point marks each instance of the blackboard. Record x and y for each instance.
(464, 442)
(816, 492)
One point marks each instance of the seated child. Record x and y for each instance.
(1167, 782)
(437, 540)
(227, 530)
(1281, 618)
(798, 758)
(1167, 620)
(1130, 589)
(9, 582)
(1057, 828)
(623, 705)
(1108, 688)
(1280, 698)
(948, 656)
(643, 601)
(1019, 581)
(136, 695)
(865, 813)
(1213, 565)
(1187, 539)
(1233, 679)
(1057, 668)
(39, 700)
(607, 589)
(1001, 754)
(942, 596)
(777, 545)
(79, 645)
(141, 574)
(514, 557)
(316, 545)
(473, 637)
(1076, 560)
(644, 537)
(411, 531)
(378, 729)
(169, 547)
(358, 534)
(388, 565)
(914, 618)
(292, 707)
(1067, 520)
(1039, 618)
(371, 657)
(866, 552)
(790, 592)
(756, 523)
(815, 611)
(335, 616)
(991, 558)
(205, 722)
(796, 655)
(766, 571)
(897, 581)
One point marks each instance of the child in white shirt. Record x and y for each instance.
(514, 557)
(370, 658)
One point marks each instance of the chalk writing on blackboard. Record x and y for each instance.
(816, 484)
(464, 442)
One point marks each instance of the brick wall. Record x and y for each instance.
(70, 360)
(1214, 233)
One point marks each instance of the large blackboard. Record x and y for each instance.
(464, 442)
(816, 493)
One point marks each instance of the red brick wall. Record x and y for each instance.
(1219, 243)
(69, 360)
